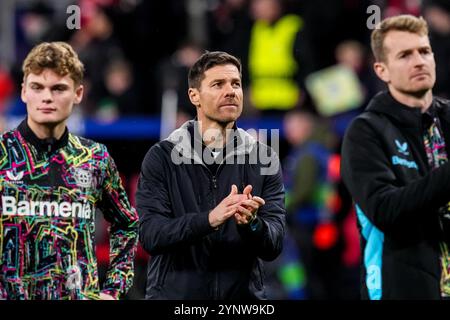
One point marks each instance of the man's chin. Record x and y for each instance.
(48, 121)
(423, 86)
(224, 119)
(420, 91)
(227, 120)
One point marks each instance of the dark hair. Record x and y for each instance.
(207, 61)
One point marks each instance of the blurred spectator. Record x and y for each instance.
(437, 14)
(6, 89)
(353, 55)
(310, 195)
(119, 96)
(229, 27)
(348, 100)
(329, 22)
(277, 58)
(97, 47)
(396, 7)
(173, 73)
(35, 21)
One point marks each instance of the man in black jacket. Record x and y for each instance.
(211, 197)
(395, 165)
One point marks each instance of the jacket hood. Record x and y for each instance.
(407, 116)
(188, 142)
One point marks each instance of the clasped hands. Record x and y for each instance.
(242, 207)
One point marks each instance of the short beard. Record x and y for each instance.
(222, 123)
(419, 94)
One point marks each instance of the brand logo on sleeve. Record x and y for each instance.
(404, 163)
(402, 147)
(14, 177)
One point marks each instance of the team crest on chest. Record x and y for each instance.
(83, 177)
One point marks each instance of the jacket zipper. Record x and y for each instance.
(216, 274)
(214, 183)
(51, 172)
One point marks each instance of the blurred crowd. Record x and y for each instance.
(307, 63)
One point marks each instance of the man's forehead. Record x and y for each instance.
(397, 41)
(48, 76)
(223, 71)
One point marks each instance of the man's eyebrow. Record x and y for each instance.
(61, 84)
(224, 79)
(65, 85)
(217, 80)
(411, 49)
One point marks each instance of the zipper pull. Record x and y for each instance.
(214, 182)
(49, 148)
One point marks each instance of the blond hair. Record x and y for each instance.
(57, 56)
(405, 22)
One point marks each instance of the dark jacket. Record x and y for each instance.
(176, 192)
(397, 197)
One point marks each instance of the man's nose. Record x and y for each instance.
(230, 90)
(419, 60)
(47, 96)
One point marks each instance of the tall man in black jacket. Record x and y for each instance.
(211, 197)
(395, 165)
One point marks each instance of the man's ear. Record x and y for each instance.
(194, 96)
(382, 71)
(22, 93)
(78, 94)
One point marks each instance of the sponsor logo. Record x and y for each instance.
(12, 207)
(15, 178)
(405, 163)
(402, 147)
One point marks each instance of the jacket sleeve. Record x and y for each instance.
(160, 230)
(122, 234)
(368, 174)
(266, 233)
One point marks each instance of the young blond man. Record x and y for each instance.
(51, 183)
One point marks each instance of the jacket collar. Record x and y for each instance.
(42, 145)
(188, 142)
(404, 115)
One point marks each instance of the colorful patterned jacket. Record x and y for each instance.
(49, 194)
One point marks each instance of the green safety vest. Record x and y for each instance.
(272, 65)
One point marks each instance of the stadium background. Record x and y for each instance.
(137, 54)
